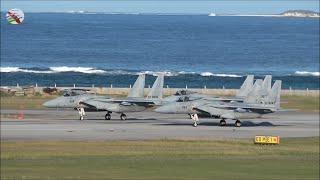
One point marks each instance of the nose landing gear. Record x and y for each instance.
(81, 113)
(195, 119)
(223, 122)
(107, 116)
(237, 123)
(123, 117)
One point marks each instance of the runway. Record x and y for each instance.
(45, 124)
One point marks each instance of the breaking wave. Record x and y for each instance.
(16, 69)
(155, 73)
(87, 70)
(51, 70)
(91, 70)
(172, 73)
(219, 75)
(307, 73)
(184, 72)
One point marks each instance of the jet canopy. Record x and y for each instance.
(184, 99)
(184, 93)
(76, 92)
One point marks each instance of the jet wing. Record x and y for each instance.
(86, 104)
(240, 107)
(103, 102)
(208, 109)
(227, 113)
(199, 110)
(224, 99)
(133, 101)
(138, 103)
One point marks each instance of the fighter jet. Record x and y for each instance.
(129, 104)
(254, 105)
(73, 98)
(243, 92)
(246, 87)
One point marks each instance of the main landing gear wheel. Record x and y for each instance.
(195, 124)
(107, 116)
(223, 122)
(81, 113)
(237, 123)
(123, 117)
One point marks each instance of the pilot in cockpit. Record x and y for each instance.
(70, 93)
(73, 93)
(66, 94)
(183, 92)
(183, 99)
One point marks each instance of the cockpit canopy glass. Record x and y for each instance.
(66, 94)
(183, 99)
(75, 93)
(183, 92)
(70, 93)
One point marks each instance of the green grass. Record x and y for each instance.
(189, 158)
(30, 102)
(303, 103)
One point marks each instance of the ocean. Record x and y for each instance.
(193, 50)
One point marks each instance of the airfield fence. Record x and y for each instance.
(167, 90)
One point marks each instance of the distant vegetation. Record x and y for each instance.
(4, 94)
(300, 13)
(50, 90)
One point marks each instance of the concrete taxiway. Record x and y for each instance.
(64, 124)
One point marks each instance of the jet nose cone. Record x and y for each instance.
(49, 104)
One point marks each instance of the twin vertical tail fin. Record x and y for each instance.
(273, 98)
(254, 96)
(138, 87)
(266, 85)
(246, 86)
(156, 91)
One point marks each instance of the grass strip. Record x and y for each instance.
(167, 158)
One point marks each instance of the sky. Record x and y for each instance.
(163, 6)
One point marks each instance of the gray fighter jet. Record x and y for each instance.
(243, 92)
(128, 104)
(74, 98)
(254, 105)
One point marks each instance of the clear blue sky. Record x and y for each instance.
(162, 6)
